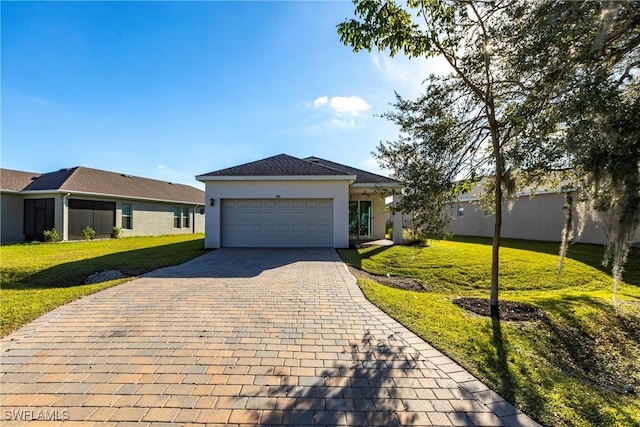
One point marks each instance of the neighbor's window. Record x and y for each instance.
(127, 217)
(460, 210)
(185, 217)
(176, 217)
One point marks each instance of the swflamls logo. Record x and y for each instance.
(36, 415)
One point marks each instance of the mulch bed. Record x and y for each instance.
(509, 310)
(392, 281)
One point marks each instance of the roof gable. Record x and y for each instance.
(280, 165)
(363, 177)
(284, 165)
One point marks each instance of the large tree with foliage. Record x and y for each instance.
(459, 129)
(578, 70)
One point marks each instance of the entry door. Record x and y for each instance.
(360, 218)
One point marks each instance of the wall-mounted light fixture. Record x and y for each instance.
(212, 202)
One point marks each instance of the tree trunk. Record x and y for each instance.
(497, 224)
(495, 254)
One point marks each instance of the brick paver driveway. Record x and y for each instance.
(257, 337)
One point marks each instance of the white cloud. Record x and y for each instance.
(321, 101)
(343, 105)
(161, 167)
(353, 105)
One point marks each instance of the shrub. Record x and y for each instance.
(51, 235)
(414, 237)
(116, 232)
(88, 233)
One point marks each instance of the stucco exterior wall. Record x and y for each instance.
(149, 218)
(250, 189)
(539, 218)
(12, 218)
(154, 219)
(379, 211)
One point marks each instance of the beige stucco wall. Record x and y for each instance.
(153, 219)
(338, 191)
(539, 218)
(379, 211)
(11, 218)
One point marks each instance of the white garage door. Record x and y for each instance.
(285, 223)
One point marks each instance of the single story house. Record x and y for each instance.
(284, 201)
(537, 216)
(72, 199)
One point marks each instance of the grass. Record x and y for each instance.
(38, 277)
(570, 369)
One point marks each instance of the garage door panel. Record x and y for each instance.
(283, 203)
(298, 217)
(325, 204)
(324, 229)
(324, 216)
(324, 242)
(277, 223)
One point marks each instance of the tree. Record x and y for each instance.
(459, 128)
(578, 70)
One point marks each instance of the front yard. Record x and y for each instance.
(37, 277)
(578, 366)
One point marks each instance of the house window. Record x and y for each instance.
(460, 210)
(360, 218)
(185, 217)
(176, 217)
(127, 219)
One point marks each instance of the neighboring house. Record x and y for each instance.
(540, 216)
(71, 199)
(283, 201)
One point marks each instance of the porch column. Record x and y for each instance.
(397, 224)
(65, 217)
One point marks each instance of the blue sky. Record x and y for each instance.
(170, 90)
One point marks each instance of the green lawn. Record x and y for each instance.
(570, 369)
(37, 277)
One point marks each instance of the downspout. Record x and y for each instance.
(65, 222)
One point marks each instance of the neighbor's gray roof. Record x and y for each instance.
(12, 180)
(285, 165)
(364, 177)
(99, 182)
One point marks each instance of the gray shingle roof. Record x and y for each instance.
(364, 177)
(12, 180)
(99, 182)
(280, 165)
(285, 165)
